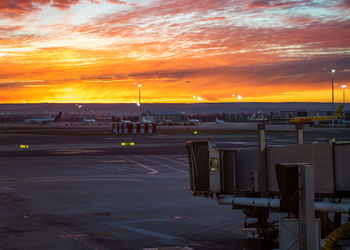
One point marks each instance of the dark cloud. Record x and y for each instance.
(272, 4)
(347, 3)
(117, 2)
(314, 71)
(15, 8)
(64, 4)
(10, 28)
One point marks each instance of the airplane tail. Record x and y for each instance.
(58, 117)
(339, 111)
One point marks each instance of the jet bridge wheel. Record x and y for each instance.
(266, 231)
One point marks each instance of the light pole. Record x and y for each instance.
(333, 71)
(343, 87)
(79, 106)
(239, 97)
(199, 99)
(139, 86)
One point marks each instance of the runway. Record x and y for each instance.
(90, 192)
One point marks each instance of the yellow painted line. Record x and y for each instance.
(127, 143)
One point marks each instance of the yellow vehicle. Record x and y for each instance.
(317, 119)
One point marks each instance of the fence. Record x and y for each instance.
(134, 128)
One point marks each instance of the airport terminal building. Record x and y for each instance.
(160, 116)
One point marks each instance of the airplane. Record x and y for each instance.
(124, 121)
(219, 121)
(317, 119)
(44, 120)
(193, 121)
(89, 120)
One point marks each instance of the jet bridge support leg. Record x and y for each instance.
(307, 207)
(299, 130)
(263, 219)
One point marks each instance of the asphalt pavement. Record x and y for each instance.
(118, 192)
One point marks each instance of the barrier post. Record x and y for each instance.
(122, 125)
(129, 127)
(138, 127)
(118, 128)
(154, 127)
(113, 128)
(146, 128)
(299, 130)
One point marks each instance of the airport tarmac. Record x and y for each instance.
(91, 192)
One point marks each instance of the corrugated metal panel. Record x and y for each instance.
(342, 167)
(247, 162)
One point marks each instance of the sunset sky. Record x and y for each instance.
(99, 50)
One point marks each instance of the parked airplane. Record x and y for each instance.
(219, 121)
(193, 121)
(317, 119)
(44, 120)
(89, 120)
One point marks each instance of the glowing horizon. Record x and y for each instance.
(98, 51)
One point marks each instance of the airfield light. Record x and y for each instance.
(239, 97)
(233, 95)
(199, 98)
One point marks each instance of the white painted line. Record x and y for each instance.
(60, 179)
(113, 161)
(182, 159)
(153, 171)
(179, 162)
(167, 166)
(143, 231)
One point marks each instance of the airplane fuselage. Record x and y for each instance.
(317, 119)
(310, 119)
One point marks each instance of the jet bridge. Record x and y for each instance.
(246, 178)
